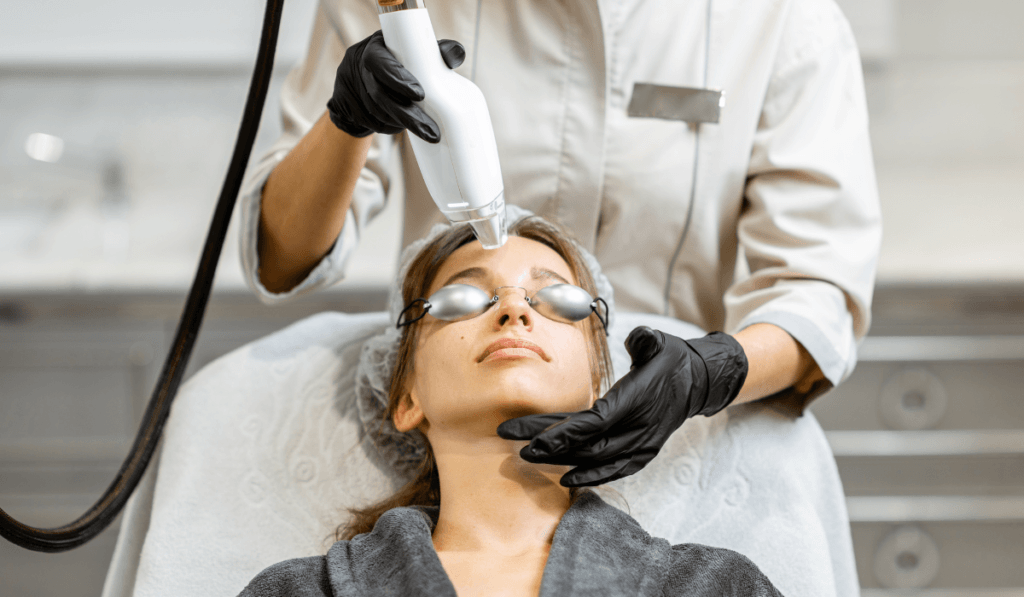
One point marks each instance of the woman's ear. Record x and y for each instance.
(408, 414)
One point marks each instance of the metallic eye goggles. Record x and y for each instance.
(559, 302)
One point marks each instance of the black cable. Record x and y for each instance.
(99, 516)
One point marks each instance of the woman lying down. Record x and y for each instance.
(490, 335)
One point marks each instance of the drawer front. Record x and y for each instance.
(956, 556)
(927, 395)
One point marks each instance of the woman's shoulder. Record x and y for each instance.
(300, 577)
(700, 570)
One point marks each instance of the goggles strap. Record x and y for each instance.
(602, 319)
(426, 307)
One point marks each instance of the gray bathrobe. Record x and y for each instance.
(596, 550)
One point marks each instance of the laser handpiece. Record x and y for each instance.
(461, 171)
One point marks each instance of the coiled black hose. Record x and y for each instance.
(99, 516)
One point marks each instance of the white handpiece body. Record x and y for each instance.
(461, 171)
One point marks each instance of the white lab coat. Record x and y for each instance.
(785, 180)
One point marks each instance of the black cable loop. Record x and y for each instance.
(99, 516)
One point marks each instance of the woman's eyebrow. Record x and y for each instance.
(540, 272)
(476, 273)
(467, 274)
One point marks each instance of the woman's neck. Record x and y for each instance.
(494, 501)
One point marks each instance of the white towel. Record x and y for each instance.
(263, 452)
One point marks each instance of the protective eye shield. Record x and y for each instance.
(564, 303)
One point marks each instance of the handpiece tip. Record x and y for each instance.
(491, 232)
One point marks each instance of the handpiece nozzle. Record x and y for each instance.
(491, 232)
(488, 222)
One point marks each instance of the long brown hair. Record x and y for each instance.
(425, 489)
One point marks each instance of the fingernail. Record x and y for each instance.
(528, 453)
(539, 449)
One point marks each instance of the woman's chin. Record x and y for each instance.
(532, 401)
(482, 403)
(482, 415)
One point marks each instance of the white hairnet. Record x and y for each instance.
(405, 451)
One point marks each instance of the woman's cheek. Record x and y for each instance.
(442, 365)
(576, 372)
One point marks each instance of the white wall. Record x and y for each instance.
(134, 32)
(159, 86)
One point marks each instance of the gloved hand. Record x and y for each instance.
(374, 93)
(670, 380)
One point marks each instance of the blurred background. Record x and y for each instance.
(117, 119)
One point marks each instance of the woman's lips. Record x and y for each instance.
(512, 347)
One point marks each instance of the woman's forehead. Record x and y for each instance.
(518, 261)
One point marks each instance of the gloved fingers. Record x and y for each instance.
(579, 429)
(378, 60)
(397, 112)
(452, 52)
(570, 457)
(643, 344)
(524, 428)
(400, 87)
(604, 473)
(352, 110)
(610, 446)
(415, 120)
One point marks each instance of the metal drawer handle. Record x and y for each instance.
(912, 399)
(907, 558)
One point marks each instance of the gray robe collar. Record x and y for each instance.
(596, 550)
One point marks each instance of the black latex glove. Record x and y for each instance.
(374, 93)
(671, 380)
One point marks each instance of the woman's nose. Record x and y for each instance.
(513, 308)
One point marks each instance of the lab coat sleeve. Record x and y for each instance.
(810, 227)
(303, 101)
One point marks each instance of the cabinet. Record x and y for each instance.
(928, 434)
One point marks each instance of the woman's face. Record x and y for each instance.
(470, 375)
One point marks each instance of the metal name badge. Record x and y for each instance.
(688, 104)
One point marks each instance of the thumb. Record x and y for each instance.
(452, 52)
(643, 344)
